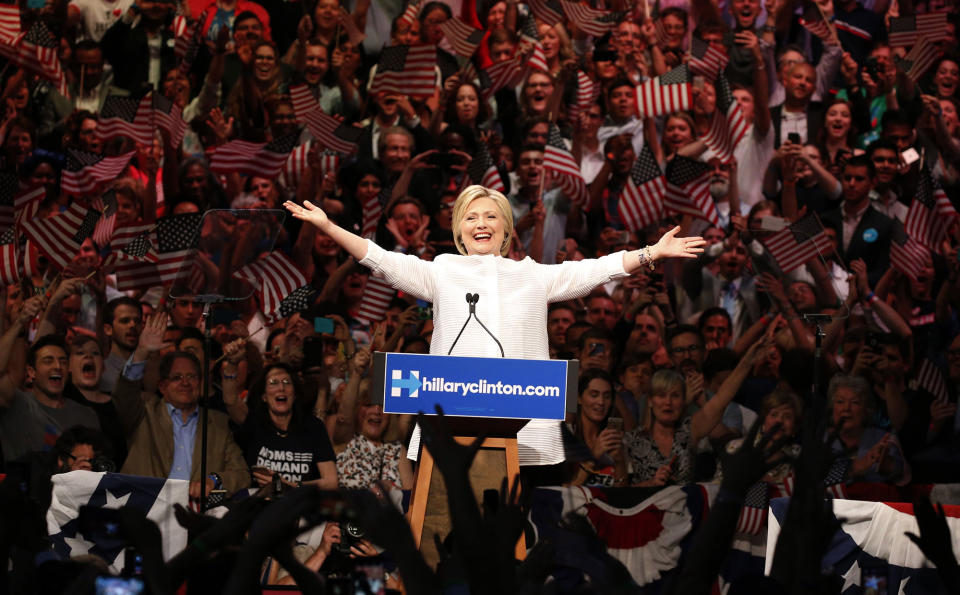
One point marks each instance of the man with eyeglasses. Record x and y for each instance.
(163, 434)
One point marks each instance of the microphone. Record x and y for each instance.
(472, 299)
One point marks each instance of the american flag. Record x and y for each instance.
(299, 161)
(753, 513)
(835, 481)
(175, 240)
(906, 255)
(59, 237)
(256, 159)
(9, 189)
(129, 250)
(37, 51)
(548, 11)
(126, 116)
(930, 378)
(462, 37)
(9, 22)
(273, 277)
(565, 169)
(9, 273)
(587, 93)
(728, 126)
(329, 132)
(411, 13)
(906, 31)
(797, 243)
(930, 213)
(665, 94)
(372, 211)
(168, 116)
(641, 202)
(688, 189)
(407, 70)
(377, 296)
(531, 47)
(107, 206)
(483, 170)
(187, 46)
(85, 170)
(706, 59)
(918, 60)
(812, 21)
(500, 75)
(297, 300)
(590, 20)
(26, 204)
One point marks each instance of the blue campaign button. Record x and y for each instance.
(870, 235)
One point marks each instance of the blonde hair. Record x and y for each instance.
(662, 382)
(472, 193)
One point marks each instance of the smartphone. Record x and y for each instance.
(369, 578)
(605, 55)
(910, 156)
(115, 585)
(259, 469)
(615, 423)
(598, 349)
(873, 342)
(772, 223)
(874, 581)
(794, 137)
(425, 313)
(312, 351)
(323, 325)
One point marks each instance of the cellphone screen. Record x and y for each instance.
(115, 585)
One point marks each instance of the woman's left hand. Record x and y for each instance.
(670, 246)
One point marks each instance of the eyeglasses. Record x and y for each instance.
(182, 377)
(687, 349)
(279, 381)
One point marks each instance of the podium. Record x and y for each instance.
(494, 397)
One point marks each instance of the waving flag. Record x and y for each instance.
(126, 116)
(930, 214)
(548, 11)
(500, 75)
(106, 205)
(298, 301)
(531, 47)
(590, 20)
(728, 126)
(37, 51)
(931, 379)
(587, 93)
(462, 37)
(255, 159)
(797, 243)
(407, 70)
(372, 211)
(152, 496)
(918, 60)
(870, 546)
(9, 248)
(59, 237)
(377, 295)
(906, 31)
(273, 277)
(9, 22)
(665, 94)
(753, 513)
(641, 202)
(565, 170)
(906, 255)
(84, 170)
(166, 115)
(187, 46)
(688, 189)
(411, 13)
(706, 59)
(812, 20)
(329, 132)
(130, 245)
(483, 171)
(175, 239)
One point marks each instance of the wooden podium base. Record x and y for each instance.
(429, 514)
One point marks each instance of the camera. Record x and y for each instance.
(350, 535)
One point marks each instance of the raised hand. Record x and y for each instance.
(935, 541)
(309, 212)
(151, 337)
(670, 246)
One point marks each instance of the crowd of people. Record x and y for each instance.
(848, 135)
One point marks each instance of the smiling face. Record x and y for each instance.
(467, 103)
(482, 227)
(667, 407)
(49, 371)
(264, 63)
(550, 41)
(849, 409)
(181, 388)
(745, 12)
(371, 421)
(530, 168)
(278, 392)
(596, 400)
(801, 82)
(946, 78)
(538, 90)
(676, 134)
(326, 14)
(317, 63)
(838, 121)
(86, 365)
(408, 219)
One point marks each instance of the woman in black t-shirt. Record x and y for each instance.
(276, 436)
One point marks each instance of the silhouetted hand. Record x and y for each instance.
(748, 464)
(935, 541)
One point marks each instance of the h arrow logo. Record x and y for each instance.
(411, 383)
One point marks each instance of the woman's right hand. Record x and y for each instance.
(608, 442)
(308, 212)
(263, 477)
(662, 476)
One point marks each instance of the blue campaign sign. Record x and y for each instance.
(475, 386)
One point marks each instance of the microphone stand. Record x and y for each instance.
(472, 299)
(818, 320)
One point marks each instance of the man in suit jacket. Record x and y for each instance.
(127, 46)
(164, 434)
(862, 231)
(798, 114)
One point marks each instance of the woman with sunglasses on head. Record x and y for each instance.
(277, 434)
